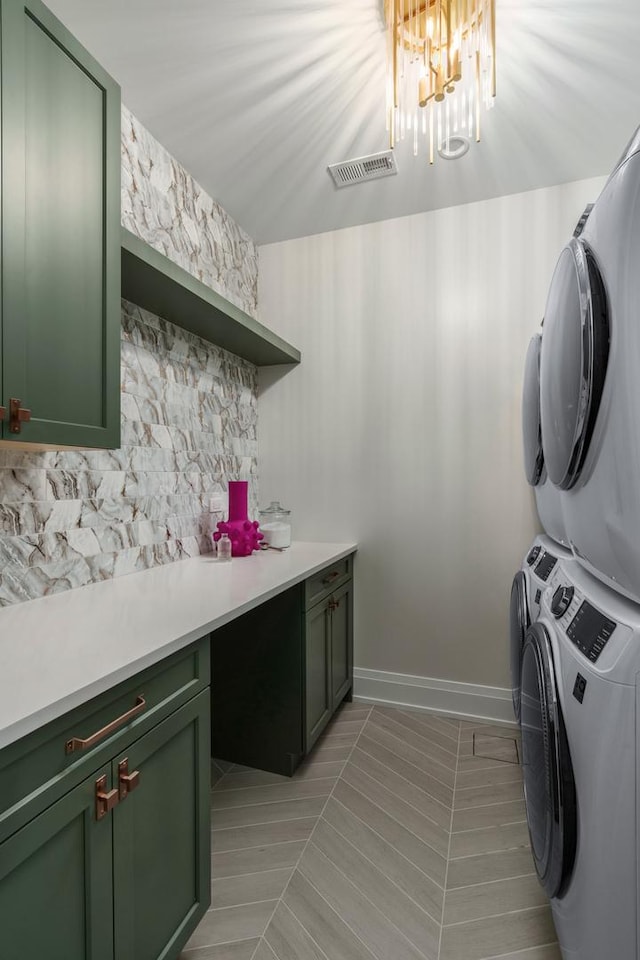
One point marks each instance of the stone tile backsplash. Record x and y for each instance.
(166, 207)
(189, 412)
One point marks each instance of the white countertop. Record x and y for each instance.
(60, 651)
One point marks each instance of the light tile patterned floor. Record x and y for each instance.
(401, 838)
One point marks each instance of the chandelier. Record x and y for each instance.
(441, 68)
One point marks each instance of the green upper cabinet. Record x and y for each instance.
(60, 234)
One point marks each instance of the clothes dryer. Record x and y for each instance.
(590, 382)
(548, 497)
(526, 593)
(580, 664)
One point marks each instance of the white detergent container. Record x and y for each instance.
(275, 524)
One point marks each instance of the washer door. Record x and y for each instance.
(575, 351)
(518, 626)
(549, 787)
(531, 428)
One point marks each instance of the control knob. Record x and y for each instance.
(533, 555)
(561, 600)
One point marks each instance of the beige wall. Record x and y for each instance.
(401, 427)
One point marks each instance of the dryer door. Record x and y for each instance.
(518, 626)
(573, 364)
(549, 787)
(531, 429)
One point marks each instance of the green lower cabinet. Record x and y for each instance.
(317, 671)
(328, 658)
(119, 867)
(280, 671)
(341, 644)
(161, 843)
(56, 884)
(257, 673)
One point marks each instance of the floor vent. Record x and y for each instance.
(363, 168)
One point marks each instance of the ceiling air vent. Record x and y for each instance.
(363, 168)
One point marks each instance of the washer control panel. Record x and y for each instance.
(545, 565)
(590, 630)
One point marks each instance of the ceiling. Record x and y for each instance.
(256, 97)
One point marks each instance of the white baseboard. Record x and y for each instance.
(466, 700)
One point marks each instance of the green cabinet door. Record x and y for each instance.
(317, 671)
(161, 844)
(60, 233)
(341, 644)
(56, 895)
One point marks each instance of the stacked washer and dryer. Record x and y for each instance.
(576, 664)
(545, 551)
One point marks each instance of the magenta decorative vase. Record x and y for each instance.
(244, 534)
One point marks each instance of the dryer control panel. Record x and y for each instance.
(545, 565)
(590, 630)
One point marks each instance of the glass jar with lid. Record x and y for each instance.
(275, 524)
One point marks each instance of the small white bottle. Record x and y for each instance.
(224, 547)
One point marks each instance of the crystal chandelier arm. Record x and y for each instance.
(434, 46)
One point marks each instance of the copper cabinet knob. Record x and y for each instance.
(127, 782)
(106, 800)
(17, 415)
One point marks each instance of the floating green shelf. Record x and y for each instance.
(155, 283)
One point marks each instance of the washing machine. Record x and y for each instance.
(526, 593)
(580, 664)
(590, 382)
(548, 497)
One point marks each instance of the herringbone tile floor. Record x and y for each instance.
(403, 837)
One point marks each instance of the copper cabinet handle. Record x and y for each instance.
(17, 415)
(77, 744)
(127, 781)
(3, 413)
(332, 576)
(106, 800)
